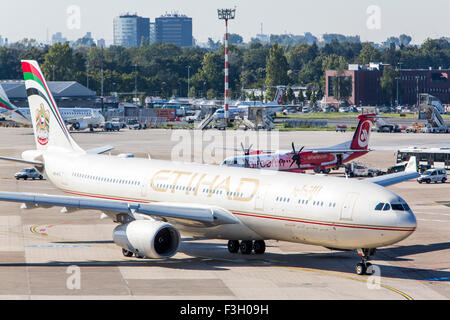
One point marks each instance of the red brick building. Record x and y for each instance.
(366, 88)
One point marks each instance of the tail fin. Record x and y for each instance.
(361, 137)
(49, 127)
(9, 110)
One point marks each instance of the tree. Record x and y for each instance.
(388, 84)
(58, 62)
(276, 67)
(404, 39)
(368, 54)
(308, 93)
(211, 94)
(192, 92)
(234, 38)
(290, 94)
(9, 66)
(313, 98)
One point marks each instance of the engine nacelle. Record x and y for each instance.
(152, 239)
(80, 125)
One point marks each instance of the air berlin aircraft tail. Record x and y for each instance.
(49, 127)
(361, 137)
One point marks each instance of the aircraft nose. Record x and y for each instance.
(407, 220)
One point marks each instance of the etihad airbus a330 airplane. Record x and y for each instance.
(153, 200)
(77, 118)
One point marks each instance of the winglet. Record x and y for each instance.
(412, 165)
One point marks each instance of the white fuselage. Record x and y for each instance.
(69, 115)
(320, 210)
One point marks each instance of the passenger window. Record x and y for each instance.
(379, 206)
(386, 207)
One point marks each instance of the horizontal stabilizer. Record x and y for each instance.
(100, 150)
(35, 163)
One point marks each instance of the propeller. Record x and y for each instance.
(296, 157)
(246, 151)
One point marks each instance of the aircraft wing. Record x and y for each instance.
(393, 178)
(204, 214)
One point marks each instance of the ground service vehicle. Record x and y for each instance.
(433, 175)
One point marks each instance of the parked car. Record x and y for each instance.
(111, 126)
(355, 169)
(134, 125)
(28, 173)
(433, 175)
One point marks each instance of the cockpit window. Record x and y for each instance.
(397, 207)
(405, 205)
(386, 207)
(379, 206)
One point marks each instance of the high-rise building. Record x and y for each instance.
(101, 43)
(58, 38)
(152, 38)
(174, 28)
(130, 30)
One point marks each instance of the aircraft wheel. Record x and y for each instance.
(233, 246)
(259, 246)
(246, 247)
(127, 253)
(360, 269)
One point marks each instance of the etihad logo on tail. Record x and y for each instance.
(42, 126)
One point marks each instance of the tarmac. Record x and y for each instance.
(45, 254)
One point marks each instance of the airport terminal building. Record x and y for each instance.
(68, 94)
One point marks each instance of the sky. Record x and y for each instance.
(373, 20)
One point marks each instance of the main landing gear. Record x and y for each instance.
(247, 246)
(365, 267)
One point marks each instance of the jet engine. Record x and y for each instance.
(148, 238)
(80, 125)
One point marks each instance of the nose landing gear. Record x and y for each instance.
(365, 267)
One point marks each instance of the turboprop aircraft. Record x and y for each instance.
(319, 159)
(153, 200)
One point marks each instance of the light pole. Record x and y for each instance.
(87, 74)
(226, 14)
(135, 84)
(189, 89)
(398, 76)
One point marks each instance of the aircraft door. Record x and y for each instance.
(260, 197)
(144, 187)
(348, 206)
